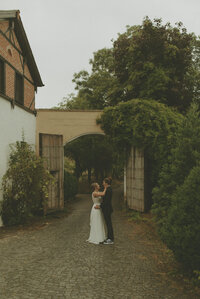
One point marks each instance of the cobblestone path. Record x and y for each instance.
(57, 262)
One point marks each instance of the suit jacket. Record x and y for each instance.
(106, 204)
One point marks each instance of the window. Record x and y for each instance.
(2, 76)
(19, 89)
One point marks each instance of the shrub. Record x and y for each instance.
(70, 185)
(183, 157)
(181, 230)
(25, 185)
(176, 197)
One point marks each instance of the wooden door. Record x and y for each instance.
(51, 149)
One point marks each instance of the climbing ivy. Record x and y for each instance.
(145, 124)
(140, 123)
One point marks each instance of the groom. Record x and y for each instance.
(107, 210)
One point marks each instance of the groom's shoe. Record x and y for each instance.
(108, 242)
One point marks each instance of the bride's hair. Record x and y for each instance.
(93, 186)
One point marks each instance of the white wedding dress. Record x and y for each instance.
(97, 225)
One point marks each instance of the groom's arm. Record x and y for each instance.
(97, 207)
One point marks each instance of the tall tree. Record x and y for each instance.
(73, 102)
(97, 90)
(149, 61)
(101, 87)
(156, 61)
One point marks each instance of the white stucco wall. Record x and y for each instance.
(12, 123)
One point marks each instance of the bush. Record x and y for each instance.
(183, 157)
(176, 197)
(25, 185)
(70, 185)
(181, 230)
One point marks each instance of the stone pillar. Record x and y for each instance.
(135, 180)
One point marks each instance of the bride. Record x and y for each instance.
(97, 227)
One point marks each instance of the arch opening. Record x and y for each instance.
(83, 134)
(89, 158)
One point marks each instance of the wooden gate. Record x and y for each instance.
(51, 149)
(134, 180)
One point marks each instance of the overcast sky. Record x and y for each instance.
(63, 34)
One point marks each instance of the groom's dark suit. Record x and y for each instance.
(107, 210)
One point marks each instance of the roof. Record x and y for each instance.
(24, 43)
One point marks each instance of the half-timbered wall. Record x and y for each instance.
(12, 56)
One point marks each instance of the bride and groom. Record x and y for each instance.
(101, 230)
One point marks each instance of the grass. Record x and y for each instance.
(175, 270)
(139, 217)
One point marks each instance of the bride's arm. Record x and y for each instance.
(97, 194)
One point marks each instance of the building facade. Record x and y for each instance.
(19, 80)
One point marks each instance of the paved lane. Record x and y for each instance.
(57, 262)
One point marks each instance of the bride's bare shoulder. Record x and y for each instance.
(95, 194)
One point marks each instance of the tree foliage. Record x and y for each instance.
(154, 61)
(73, 102)
(148, 61)
(139, 122)
(96, 90)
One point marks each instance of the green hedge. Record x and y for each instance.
(70, 185)
(177, 194)
(181, 230)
